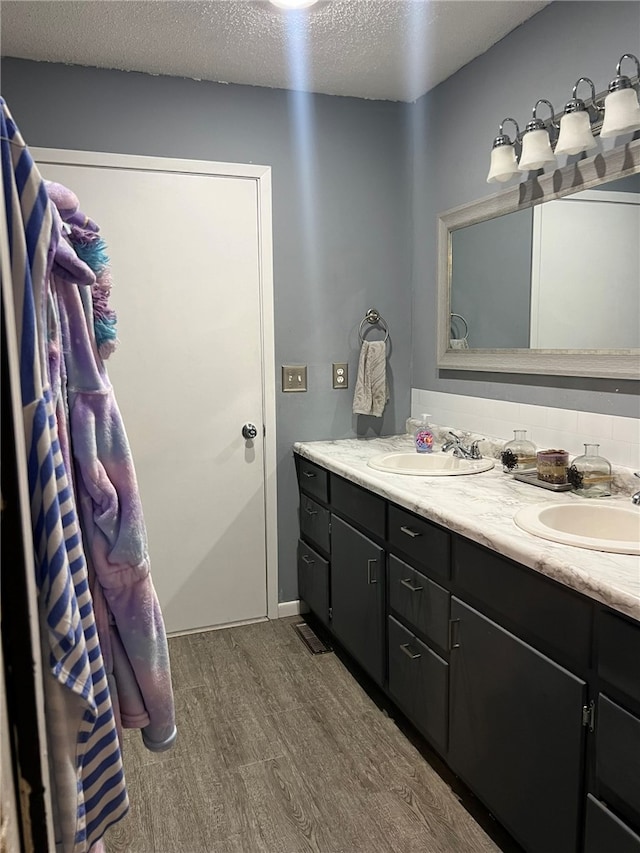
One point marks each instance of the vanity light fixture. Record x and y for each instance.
(578, 125)
(621, 107)
(503, 155)
(536, 143)
(575, 125)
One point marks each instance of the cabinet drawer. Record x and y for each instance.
(421, 602)
(541, 609)
(314, 522)
(618, 757)
(619, 653)
(313, 480)
(313, 581)
(421, 540)
(606, 833)
(358, 505)
(419, 682)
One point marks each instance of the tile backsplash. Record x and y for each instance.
(618, 437)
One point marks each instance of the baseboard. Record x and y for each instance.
(291, 608)
(204, 629)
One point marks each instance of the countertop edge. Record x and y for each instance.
(556, 562)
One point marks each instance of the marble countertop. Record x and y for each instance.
(481, 507)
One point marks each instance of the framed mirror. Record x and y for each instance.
(545, 276)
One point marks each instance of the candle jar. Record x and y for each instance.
(590, 474)
(552, 466)
(519, 454)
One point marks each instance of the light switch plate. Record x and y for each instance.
(340, 375)
(294, 377)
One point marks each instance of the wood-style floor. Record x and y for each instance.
(280, 751)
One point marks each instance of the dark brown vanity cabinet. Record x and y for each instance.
(357, 596)
(520, 659)
(516, 734)
(341, 570)
(313, 580)
(527, 689)
(613, 802)
(418, 631)
(358, 574)
(314, 542)
(419, 682)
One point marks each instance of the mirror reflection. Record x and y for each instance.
(561, 275)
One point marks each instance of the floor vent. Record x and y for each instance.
(311, 640)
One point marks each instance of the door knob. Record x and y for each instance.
(249, 431)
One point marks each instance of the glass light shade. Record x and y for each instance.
(503, 164)
(575, 134)
(536, 151)
(621, 113)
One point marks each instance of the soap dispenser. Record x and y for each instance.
(424, 436)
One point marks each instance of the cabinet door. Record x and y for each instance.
(313, 581)
(357, 590)
(515, 732)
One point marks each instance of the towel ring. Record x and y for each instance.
(466, 325)
(374, 318)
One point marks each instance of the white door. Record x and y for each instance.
(585, 269)
(188, 374)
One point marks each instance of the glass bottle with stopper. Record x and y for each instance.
(590, 474)
(519, 454)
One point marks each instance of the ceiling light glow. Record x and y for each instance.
(293, 4)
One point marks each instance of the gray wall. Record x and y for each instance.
(452, 128)
(341, 219)
(491, 279)
(355, 209)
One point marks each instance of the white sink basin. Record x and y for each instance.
(596, 525)
(428, 464)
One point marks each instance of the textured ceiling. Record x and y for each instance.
(383, 49)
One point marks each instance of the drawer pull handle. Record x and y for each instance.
(407, 582)
(454, 625)
(309, 562)
(370, 578)
(310, 511)
(405, 648)
(412, 533)
(310, 475)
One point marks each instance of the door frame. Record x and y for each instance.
(262, 177)
(594, 196)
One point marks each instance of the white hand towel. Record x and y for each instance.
(371, 392)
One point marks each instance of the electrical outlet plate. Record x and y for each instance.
(340, 375)
(294, 377)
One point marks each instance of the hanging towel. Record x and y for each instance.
(87, 777)
(371, 392)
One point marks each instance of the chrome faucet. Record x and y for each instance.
(635, 498)
(459, 449)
